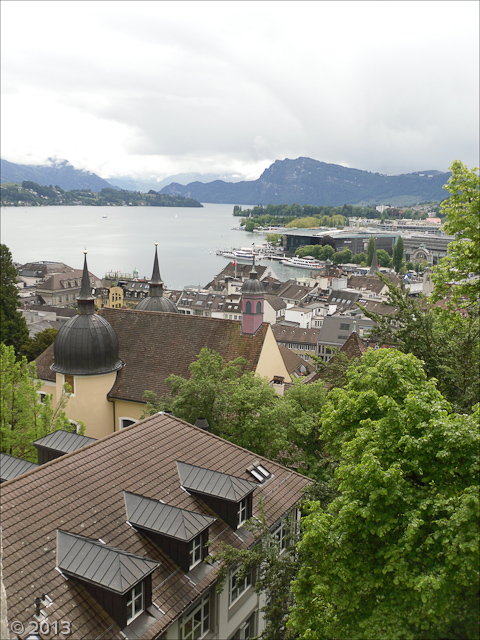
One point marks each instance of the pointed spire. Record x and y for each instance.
(156, 283)
(374, 266)
(85, 299)
(253, 272)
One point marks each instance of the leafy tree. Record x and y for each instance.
(463, 220)
(37, 345)
(358, 258)
(370, 250)
(398, 254)
(384, 259)
(396, 553)
(250, 225)
(23, 418)
(13, 328)
(342, 257)
(446, 341)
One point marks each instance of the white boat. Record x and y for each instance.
(243, 254)
(308, 262)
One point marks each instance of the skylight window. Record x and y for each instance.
(259, 472)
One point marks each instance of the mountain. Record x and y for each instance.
(307, 181)
(137, 184)
(58, 173)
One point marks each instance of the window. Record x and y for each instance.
(70, 380)
(248, 307)
(195, 551)
(344, 326)
(126, 422)
(196, 623)
(242, 511)
(280, 534)
(237, 586)
(259, 307)
(135, 604)
(41, 397)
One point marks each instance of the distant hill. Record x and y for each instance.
(307, 181)
(58, 173)
(137, 184)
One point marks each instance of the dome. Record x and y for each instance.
(252, 286)
(157, 303)
(87, 343)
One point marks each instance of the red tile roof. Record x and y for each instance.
(82, 493)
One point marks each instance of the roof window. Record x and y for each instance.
(259, 472)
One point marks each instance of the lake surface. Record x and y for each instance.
(188, 239)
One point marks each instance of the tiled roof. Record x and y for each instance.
(275, 302)
(153, 346)
(55, 281)
(371, 283)
(11, 467)
(292, 361)
(82, 494)
(284, 333)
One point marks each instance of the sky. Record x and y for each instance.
(153, 89)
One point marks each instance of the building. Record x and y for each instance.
(303, 342)
(62, 289)
(336, 329)
(110, 540)
(110, 358)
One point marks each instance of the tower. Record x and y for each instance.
(155, 301)
(86, 358)
(253, 294)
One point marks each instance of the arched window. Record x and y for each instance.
(259, 307)
(248, 307)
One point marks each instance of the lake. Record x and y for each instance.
(123, 238)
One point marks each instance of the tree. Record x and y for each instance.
(446, 341)
(342, 257)
(370, 250)
(398, 254)
(13, 328)
(34, 347)
(396, 553)
(462, 263)
(23, 417)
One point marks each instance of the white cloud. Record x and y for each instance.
(165, 87)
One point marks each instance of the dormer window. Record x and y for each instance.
(135, 602)
(222, 492)
(195, 551)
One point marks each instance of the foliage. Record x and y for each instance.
(342, 257)
(273, 569)
(34, 347)
(398, 254)
(395, 555)
(384, 260)
(23, 418)
(38, 195)
(13, 328)
(370, 250)
(445, 340)
(463, 220)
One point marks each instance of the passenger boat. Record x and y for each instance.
(308, 262)
(243, 254)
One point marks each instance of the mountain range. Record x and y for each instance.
(301, 181)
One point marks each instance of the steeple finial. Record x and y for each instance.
(85, 299)
(374, 266)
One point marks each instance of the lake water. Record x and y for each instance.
(188, 239)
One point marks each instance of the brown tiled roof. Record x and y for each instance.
(291, 360)
(285, 333)
(55, 281)
(354, 346)
(275, 302)
(154, 345)
(82, 493)
(371, 283)
(378, 307)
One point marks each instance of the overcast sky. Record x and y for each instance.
(157, 88)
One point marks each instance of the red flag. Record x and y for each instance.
(234, 263)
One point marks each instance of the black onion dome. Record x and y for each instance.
(252, 286)
(155, 300)
(157, 303)
(87, 343)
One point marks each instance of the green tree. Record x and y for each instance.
(384, 259)
(370, 250)
(396, 553)
(342, 257)
(398, 254)
(23, 418)
(34, 347)
(441, 339)
(250, 225)
(358, 258)
(13, 328)
(462, 263)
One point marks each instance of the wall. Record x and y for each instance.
(271, 363)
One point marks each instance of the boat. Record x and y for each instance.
(308, 262)
(243, 254)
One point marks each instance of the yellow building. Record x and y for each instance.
(111, 298)
(112, 357)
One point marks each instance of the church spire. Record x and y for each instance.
(374, 266)
(156, 283)
(85, 300)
